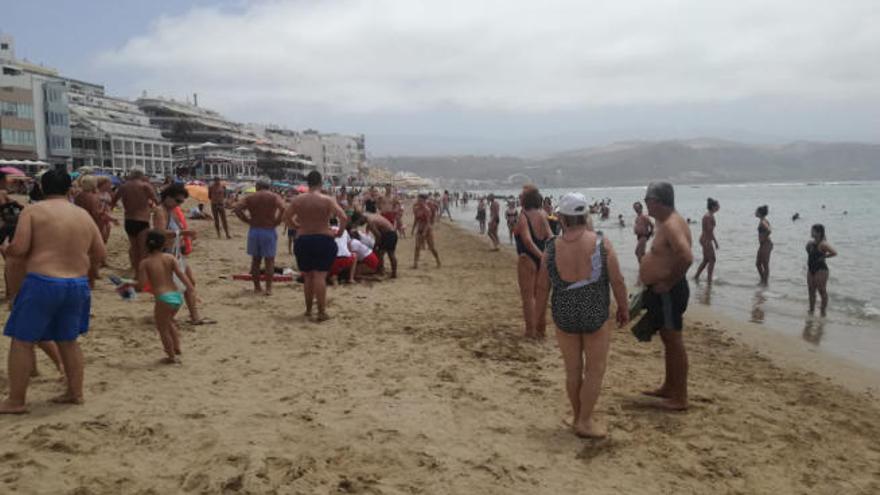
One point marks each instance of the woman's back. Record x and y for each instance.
(578, 272)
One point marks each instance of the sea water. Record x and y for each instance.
(852, 225)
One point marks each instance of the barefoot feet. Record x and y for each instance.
(7, 407)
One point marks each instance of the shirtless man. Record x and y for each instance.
(664, 271)
(217, 195)
(58, 244)
(264, 212)
(422, 228)
(315, 247)
(643, 229)
(386, 238)
(494, 220)
(137, 195)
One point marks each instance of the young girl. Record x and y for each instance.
(164, 275)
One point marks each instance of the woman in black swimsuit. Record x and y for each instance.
(530, 234)
(818, 250)
(765, 245)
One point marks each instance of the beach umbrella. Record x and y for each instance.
(249, 189)
(302, 188)
(199, 193)
(11, 171)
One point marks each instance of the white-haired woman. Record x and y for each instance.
(581, 268)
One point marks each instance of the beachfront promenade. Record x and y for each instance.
(417, 385)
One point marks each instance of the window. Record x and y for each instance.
(4, 46)
(20, 110)
(148, 149)
(138, 148)
(129, 148)
(117, 146)
(17, 137)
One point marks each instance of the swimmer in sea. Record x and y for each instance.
(643, 229)
(818, 250)
(708, 241)
(765, 245)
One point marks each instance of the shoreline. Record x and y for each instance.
(422, 384)
(783, 349)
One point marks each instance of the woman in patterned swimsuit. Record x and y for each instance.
(581, 309)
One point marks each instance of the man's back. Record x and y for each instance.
(313, 211)
(136, 195)
(61, 237)
(265, 208)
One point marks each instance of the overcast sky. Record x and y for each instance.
(511, 76)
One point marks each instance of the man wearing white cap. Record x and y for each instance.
(663, 270)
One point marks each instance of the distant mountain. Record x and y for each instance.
(703, 160)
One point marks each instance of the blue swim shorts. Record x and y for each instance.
(49, 308)
(315, 253)
(262, 242)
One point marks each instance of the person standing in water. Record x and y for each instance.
(708, 241)
(494, 220)
(581, 309)
(664, 271)
(481, 215)
(530, 232)
(511, 216)
(818, 250)
(765, 245)
(643, 229)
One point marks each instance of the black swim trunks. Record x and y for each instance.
(666, 311)
(388, 242)
(135, 227)
(315, 253)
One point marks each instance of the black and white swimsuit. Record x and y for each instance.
(582, 306)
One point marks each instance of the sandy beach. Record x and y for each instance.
(421, 385)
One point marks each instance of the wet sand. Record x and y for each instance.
(419, 385)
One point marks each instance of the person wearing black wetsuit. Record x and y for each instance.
(818, 250)
(530, 235)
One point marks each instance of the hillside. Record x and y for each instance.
(635, 162)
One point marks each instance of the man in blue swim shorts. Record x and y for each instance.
(262, 211)
(57, 243)
(315, 248)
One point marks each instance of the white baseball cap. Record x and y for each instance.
(573, 204)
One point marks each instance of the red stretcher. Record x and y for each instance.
(276, 278)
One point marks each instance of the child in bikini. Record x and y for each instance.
(164, 275)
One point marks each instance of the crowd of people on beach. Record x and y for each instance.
(55, 247)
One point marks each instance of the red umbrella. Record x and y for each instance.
(302, 188)
(11, 171)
